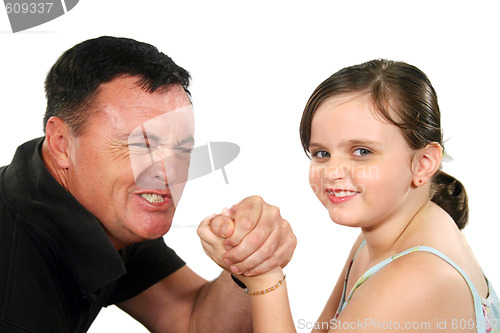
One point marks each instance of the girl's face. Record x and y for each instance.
(361, 165)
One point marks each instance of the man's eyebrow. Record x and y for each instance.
(127, 136)
(142, 135)
(139, 135)
(188, 139)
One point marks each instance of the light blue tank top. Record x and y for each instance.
(487, 310)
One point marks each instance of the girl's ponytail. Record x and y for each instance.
(449, 194)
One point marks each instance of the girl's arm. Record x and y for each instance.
(271, 309)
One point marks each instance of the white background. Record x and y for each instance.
(254, 65)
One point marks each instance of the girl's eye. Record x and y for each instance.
(321, 154)
(361, 152)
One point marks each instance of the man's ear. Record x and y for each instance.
(426, 163)
(58, 140)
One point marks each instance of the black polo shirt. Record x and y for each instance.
(57, 266)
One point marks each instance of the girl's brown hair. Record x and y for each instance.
(400, 89)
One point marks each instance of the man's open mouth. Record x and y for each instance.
(151, 197)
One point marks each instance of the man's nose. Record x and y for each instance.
(156, 176)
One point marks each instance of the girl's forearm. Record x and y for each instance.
(270, 309)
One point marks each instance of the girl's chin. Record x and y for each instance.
(344, 221)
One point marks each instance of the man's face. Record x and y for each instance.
(130, 164)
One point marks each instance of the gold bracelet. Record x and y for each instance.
(265, 291)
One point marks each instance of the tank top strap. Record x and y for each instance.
(344, 289)
(480, 322)
(363, 243)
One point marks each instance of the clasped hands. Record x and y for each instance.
(249, 239)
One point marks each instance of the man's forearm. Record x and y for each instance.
(221, 306)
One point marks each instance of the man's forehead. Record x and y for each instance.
(177, 123)
(128, 90)
(123, 121)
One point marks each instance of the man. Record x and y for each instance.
(83, 210)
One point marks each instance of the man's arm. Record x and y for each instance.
(222, 306)
(185, 302)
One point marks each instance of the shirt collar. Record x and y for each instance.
(78, 235)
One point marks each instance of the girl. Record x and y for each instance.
(372, 132)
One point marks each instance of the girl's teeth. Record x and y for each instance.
(342, 194)
(151, 197)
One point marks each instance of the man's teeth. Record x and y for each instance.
(341, 194)
(151, 197)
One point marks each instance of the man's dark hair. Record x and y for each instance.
(71, 84)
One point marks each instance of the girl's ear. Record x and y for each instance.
(426, 163)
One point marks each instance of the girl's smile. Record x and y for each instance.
(340, 196)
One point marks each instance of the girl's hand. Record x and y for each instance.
(213, 245)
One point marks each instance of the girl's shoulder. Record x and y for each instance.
(419, 286)
(446, 247)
